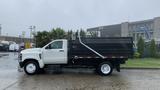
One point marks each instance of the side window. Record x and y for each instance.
(56, 45)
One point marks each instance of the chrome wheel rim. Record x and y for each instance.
(31, 68)
(105, 68)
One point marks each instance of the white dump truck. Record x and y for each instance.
(103, 54)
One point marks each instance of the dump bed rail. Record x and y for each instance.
(107, 47)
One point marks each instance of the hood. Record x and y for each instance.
(32, 50)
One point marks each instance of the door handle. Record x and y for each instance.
(61, 50)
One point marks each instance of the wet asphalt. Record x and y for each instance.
(75, 79)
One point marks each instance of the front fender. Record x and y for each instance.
(33, 56)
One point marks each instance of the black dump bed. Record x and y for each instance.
(110, 47)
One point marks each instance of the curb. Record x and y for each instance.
(139, 68)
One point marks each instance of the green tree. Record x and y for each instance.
(69, 34)
(152, 48)
(57, 33)
(76, 34)
(140, 46)
(82, 33)
(42, 38)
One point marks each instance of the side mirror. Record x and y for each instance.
(48, 47)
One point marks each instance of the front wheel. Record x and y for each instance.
(105, 68)
(31, 68)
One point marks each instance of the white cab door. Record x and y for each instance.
(55, 52)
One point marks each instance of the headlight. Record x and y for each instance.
(20, 56)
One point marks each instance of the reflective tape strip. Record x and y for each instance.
(121, 57)
(88, 57)
(80, 57)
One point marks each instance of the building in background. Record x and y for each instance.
(17, 40)
(107, 31)
(147, 29)
(10, 43)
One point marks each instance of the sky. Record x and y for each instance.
(17, 15)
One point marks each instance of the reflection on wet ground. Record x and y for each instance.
(75, 79)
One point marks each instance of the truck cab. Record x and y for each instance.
(54, 52)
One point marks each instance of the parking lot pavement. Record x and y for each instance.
(78, 79)
(3, 54)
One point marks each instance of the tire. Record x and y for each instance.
(31, 68)
(105, 68)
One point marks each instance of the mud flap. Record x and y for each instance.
(118, 67)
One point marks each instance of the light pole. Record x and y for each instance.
(32, 33)
(0, 29)
(31, 28)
